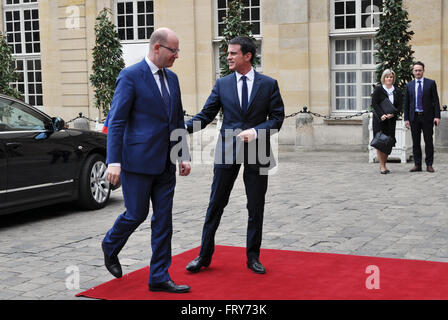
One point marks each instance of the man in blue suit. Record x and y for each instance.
(421, 112)
(252, 109)
(146, 109)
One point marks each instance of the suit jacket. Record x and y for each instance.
(139, 125)
(379, 94)
(431, 104)
(387, 126)
(265, 112)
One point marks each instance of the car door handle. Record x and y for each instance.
(13, 145)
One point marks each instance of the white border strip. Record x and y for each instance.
(37, 186)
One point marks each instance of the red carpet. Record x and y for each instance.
(290, 276)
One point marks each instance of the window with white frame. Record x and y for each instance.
(30, 80)
(252, 14)
(134, 19)
(353, 73)
(21, 25)
(353, 63)
(355, 15)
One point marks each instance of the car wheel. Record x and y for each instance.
(94, 189)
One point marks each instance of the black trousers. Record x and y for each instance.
(418, 126)
(256, 187)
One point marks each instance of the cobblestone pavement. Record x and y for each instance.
(317, 201)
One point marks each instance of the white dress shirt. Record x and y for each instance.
(154, 70)
(390, 93)
(250, 76)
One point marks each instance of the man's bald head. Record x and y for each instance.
(163, 47)
(161, 35)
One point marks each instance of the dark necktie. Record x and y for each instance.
(419, 97)
(244, 95)
(165, 94)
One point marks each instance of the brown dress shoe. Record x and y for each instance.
(429, 169)
(416, 169)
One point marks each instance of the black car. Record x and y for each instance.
(42, 162)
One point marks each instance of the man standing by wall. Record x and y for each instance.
(421, 112)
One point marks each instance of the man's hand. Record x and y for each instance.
(184, 168)
(437, 121)
(247, 135)
(113, 174)
(407, 124)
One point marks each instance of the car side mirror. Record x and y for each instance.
(58, 124)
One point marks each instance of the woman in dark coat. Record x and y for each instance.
(381, 121)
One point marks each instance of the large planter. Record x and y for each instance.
(441, 132)
(403, 148)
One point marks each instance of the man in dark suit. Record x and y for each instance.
(146, 109)
(421, 112)
(252, 108)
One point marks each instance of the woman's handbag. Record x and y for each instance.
(388, 107)
(383, 143)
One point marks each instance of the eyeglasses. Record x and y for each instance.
(173, 51)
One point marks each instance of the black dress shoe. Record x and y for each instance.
(196, 264)
(256, 266)
(416, 169)
(112, 264)
(385, 171)
(169, 286)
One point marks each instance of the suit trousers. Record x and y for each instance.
(256, 187)
(138, 191)
(417, 126)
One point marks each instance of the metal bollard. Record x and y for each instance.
(81, 123)
(304, 130)
(441, 132)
